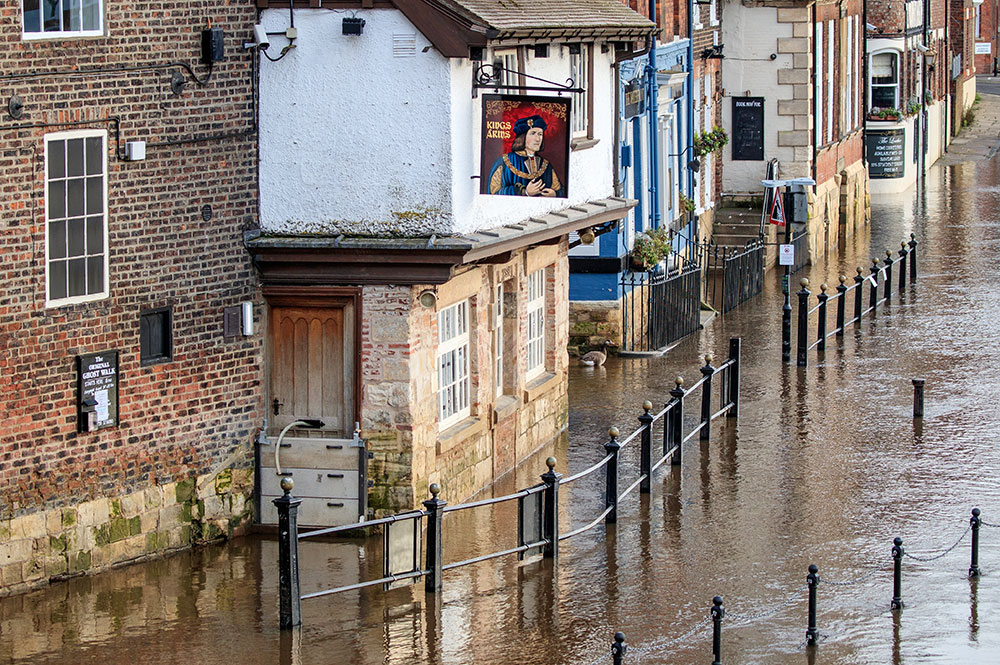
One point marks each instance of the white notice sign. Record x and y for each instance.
(983, 48)
(786, 255)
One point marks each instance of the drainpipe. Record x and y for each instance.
(654, 138)
(689, 144)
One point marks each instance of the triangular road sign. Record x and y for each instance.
(777, 211)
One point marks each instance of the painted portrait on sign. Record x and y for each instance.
(525, 148)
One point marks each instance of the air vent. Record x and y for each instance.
(404, 44)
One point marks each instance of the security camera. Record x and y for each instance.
(260, 37)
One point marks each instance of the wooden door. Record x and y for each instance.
(312, 377)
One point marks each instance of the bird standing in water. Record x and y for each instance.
(593, 358)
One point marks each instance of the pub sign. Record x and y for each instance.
(525, 146)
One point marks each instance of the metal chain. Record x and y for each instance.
(740, 620)
(664, 644)
(601, 659)
(864, 578)
(995, 526)
(938, 556)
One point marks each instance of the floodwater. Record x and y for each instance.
(825, 466)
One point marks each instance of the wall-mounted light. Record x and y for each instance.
(353, 25)
(541, 50)
(694, 164)
(428, 298)
(587, 236)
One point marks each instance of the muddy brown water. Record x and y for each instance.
(825, 466)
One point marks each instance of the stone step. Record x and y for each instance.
(732, 240)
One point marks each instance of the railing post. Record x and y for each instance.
(859, 293)
(897, 573)
(550, 510)
(887, 289)
(676, 416)
(435, 514)
(918, 397)
(611, 477)
(913, 258)
(873, 294)
(802, 354)
(706, 399)
(841, 305)
(902, 266)
(289, 594)
(718, 612)
(974, 523)
(812, 581)
(618, 648)
(735, 354)
(821, 324)
(646, 447)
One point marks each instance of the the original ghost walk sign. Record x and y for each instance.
(97, 390)
(886, 152)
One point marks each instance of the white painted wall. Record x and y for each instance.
(354, 140)
(750, 35)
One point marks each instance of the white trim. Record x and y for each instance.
(896, 86)
(818, 88)
(453, 342)
(63, 34)
(498, 338)
(829, 79)
(535, 325)
(66, 136)
(578, 70)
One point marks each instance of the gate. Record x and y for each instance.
(660, 308)
(743, 274)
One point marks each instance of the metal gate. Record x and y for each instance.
(660, 308)
(743, 274)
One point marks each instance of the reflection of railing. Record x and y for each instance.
(538, 506)
(907, 252)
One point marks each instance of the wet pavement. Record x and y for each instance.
(825, 466)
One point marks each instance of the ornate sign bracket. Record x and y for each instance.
(487, 77)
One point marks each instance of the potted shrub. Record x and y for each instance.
(649, 248)
(710, 141)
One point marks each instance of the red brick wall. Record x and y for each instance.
(180, 418)
(987, 33)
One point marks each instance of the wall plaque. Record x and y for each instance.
(97, 390)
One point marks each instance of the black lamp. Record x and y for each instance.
(353, 25)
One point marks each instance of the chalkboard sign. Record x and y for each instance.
(635, 99)
(748, 128)
(97, 390)
(886, 152)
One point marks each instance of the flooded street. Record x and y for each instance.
(825, 466)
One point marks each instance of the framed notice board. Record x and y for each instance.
(97, 390)
(886, 152)
(748, 128)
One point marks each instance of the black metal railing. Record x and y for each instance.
(538, 506)
(801, 244)
(735, 274)
(881, 284)
(661, 308)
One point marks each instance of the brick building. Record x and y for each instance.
(128, 170)
(962, 67)
(986, 31)
(407, 289)
(908, 86)
(800, 63)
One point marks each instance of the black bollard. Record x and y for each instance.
(859, 293)
(618, 648)
(841, 305)
(735, 353)
(913, 258)
(802, 352)
(873, 293)
(918, 398)
(646, 447)
(887, 289)
(550, 510)
(718, 611)
(821, 318)
(676, 417)
(812, 581)
(897, 573)
(611, 478)
(289, 596)
(434, 556)
(706, 399)
(902, 265)
(975, 522)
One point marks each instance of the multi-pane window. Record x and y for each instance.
(453, 364)
(884, 80)
(536, 324)
(155, 339)
(498, 339)
(578, 65)
(76, 256)
(62, 18)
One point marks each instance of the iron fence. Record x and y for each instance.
(538, 529)
(660, 308)
(735, 274)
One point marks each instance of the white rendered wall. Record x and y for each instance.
(751, 35)
(352, 139)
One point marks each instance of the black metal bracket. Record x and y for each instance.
(487, 77)
(713, 52)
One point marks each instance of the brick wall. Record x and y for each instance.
(190, 418)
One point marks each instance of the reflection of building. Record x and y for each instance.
(399, 296)
(908, 82)
(803, 59)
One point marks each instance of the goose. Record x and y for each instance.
(592, 358)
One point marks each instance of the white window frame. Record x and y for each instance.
(454, 396)
(579, 66)
(535, 328)
(498, 338)
(818, 87)
(830, 52)
(695, 10)
(64, 137)
(63, 34)
(713, 13)
(895, 54)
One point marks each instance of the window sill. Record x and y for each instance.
(583, 143)
(540, 386)
(459, 433)
(505, 407)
